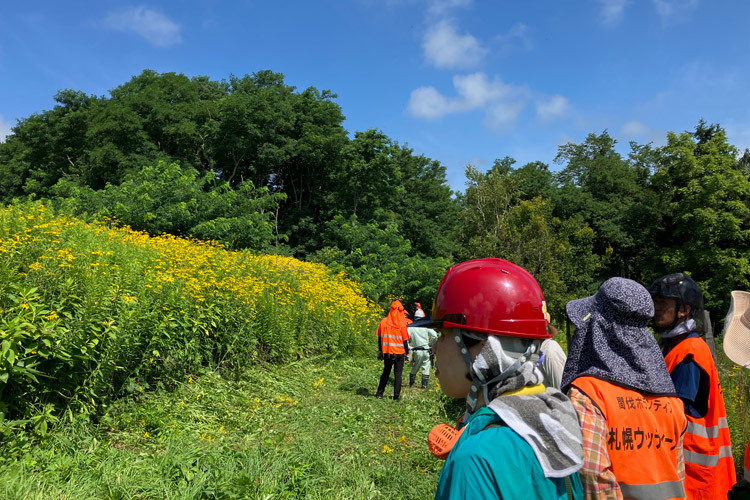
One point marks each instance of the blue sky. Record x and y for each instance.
(460, 81)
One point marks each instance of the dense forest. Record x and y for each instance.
(256, 164)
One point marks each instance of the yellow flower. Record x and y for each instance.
(403, 439)
(318, 383)
(387, 449)
(190, 380)
(143, 422)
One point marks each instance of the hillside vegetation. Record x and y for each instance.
(90, 312)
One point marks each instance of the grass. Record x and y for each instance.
(310, 429)
(736, 390)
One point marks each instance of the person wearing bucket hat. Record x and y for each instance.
(517, 438)
(737, 348)
(631, 418)
(709, 465)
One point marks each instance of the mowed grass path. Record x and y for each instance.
(310, 429)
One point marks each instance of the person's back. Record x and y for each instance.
(420, 340)
(488, 446)
(631, 418)
(552, 362)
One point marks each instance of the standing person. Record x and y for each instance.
(517, 439)
(393, 347)
(552, 362)
(737, 348)
(709, 465)
(418, 313)
(420, 340)
(631, 418)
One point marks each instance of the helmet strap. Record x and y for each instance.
(478, 380)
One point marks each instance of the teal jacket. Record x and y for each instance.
(496, 463)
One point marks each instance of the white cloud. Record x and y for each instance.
(669, 9)
(501, 102)
(612, 10)
(445, 48)
(4, 129)
(156, 28)
(476, 90)
(428, 103)
(440, 7)
(552, 108)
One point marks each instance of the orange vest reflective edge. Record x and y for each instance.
(709, 466)
(643, 440)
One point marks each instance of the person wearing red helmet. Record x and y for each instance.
(517, 438)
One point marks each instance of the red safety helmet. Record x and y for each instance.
(491, 296)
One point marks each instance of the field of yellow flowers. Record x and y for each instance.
(89, 312)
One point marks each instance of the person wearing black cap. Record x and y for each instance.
(709, 465)
(631, 419)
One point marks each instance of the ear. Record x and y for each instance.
(684, 311)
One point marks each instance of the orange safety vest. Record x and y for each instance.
(643, 440)
(392, 338)
(709, 466)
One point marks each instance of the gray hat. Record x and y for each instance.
(612, 342)
(618, 299)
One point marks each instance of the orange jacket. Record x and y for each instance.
(709, 466)
(392, 330)
(644, 438)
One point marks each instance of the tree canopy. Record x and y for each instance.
(257, 164)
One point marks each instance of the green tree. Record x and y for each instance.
(495, 221)
(705, 227)
(610, 193)
(169, 199)
(379, 258)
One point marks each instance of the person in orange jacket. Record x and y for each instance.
(393, 348)
(709, 465)
(737, 348)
